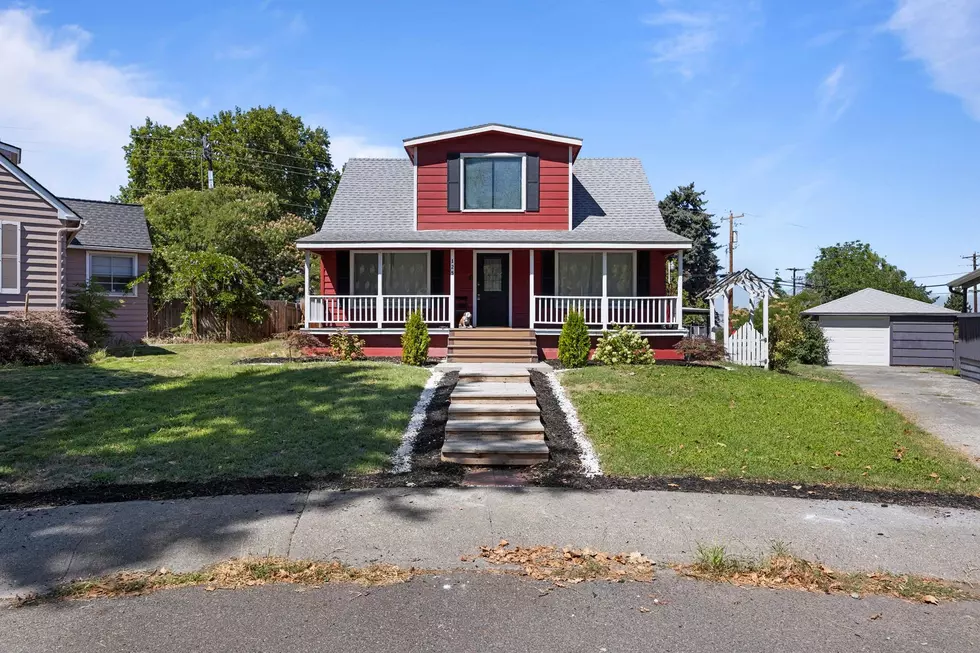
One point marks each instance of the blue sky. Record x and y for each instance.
(822, 121)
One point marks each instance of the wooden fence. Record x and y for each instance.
(165, 319)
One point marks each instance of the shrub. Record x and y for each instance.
(91, 309)
(346, 346)
(40, 339)
(415, 340)
(700, 349)
(785, 335)
(623, 346)
(812, 350)
(300, 341)
(574, 342)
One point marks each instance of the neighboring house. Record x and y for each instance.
(506, 224)
(968, 344)
(50, 245)
(872, 327)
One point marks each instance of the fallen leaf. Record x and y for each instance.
(930, 599)
(933, 475)
(644, 609)
(673, 485)
(838, 453)
(209, 588)
(503, 543)
(875, 617)
(797, 487)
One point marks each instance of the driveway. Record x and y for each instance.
(945, 405)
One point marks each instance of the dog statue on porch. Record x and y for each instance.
(466, 322)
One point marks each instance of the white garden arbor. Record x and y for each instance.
(746, 346)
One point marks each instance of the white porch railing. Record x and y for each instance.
(601, 312)
(327, 311)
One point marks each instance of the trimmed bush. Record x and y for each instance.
(574, 343)
(91, 309)
(346, 346)
(700, 349)
(812, 350)
(40, 338)
(623, 346)
(415, 340)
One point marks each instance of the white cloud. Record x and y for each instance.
(835, 93)
(71, 114)
(945, 36)
(346, 146)
(239, 52)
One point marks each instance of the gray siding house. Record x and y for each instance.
(50, 245)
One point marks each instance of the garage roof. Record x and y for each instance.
(876, 302)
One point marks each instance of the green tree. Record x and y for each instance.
(956, 302)
(845, 268)
(777, 285)
(90, 309)
(684, 213)
(240, 222)
(262, 148)
(574, 342)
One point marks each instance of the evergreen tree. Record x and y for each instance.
(684, 213)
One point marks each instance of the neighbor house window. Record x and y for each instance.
(9, 257)
(493, 182)
(403, 273)
(113, 272)
(579, 274)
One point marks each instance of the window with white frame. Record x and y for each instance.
(114, 272)
(579, 274)
(403, 273)
(493, 182)
(9, 257)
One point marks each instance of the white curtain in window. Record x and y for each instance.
(406, 273)
(580, 274)
(364, 280)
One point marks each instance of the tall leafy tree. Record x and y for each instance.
(263, 148)
(684, 213)
(845, 268)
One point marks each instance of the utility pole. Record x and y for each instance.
(794, 271)
(732, 239)
(206, 152)
(974, 257)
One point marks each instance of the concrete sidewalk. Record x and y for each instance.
(433, 528)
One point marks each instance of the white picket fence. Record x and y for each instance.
(747, 347)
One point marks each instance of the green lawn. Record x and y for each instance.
(184, 412)
(809, 426)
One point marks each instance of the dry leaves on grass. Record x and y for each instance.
(570, 565)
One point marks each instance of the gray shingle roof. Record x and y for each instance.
(612, 202)
(110, 225)
(876, 302)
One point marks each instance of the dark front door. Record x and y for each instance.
(492, 290)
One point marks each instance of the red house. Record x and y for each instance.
(507, 224)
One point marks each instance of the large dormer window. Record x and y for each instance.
(493, 182)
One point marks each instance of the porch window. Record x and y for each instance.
(404, 273)
(579, 274)
(493, 182)
(113, 273)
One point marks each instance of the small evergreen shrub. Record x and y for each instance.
(574, 342)
(346, 346)
(91, 309)
(415, 340)
(812, 350)
(623, 346)
(40, 338)
(700, 349)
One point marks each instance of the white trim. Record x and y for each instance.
(15, 290)
(514, 131)
(306, 289)
(510, 283)
(452, 288)
(415, 186)
(136, 271)
(64, 213)
(492, 155)
(502, 245)
(570, 173)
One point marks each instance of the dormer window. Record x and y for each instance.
(493, 182)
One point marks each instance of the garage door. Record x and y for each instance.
(857, 340)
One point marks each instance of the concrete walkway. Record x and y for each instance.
(945, 405)
(433, 528)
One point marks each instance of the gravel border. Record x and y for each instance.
(401, 460)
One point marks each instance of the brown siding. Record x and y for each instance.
(39, 225)
(131, 316)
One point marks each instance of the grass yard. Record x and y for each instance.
(810, 426)
(184, 412)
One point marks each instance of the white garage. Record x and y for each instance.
(871, 327)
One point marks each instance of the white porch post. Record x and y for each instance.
(605, 295)
(765, 327)
(680, 289)
(306, 289)
(726, 323)
(531, 323)
(452, 288)
(380, 303)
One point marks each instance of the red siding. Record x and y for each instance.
(328, 272)
(464, 280)
(658, 272)
(432, 213)
(663, 347)
(520, 290)
(390, 345)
